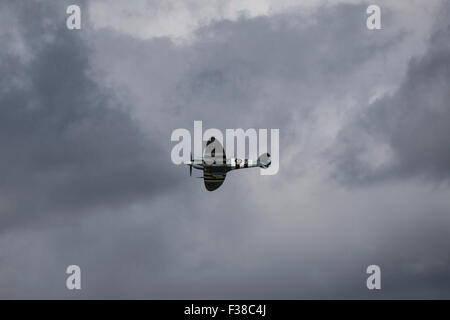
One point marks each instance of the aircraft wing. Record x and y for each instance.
(214, 152)
(214, 155)
(213, 180)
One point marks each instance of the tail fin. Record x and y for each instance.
(264, 160)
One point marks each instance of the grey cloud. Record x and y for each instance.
(413, 123)
(271, 67)
(66, 145)
(266, 72)
(90, 180)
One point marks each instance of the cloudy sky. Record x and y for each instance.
(86, 176)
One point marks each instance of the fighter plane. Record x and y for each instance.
(215, 165)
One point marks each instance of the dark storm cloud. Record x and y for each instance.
(413, 123)
(66, 146)
(73, 149)
(269, 68)
(265, 72)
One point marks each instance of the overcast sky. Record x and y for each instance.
(86, 176)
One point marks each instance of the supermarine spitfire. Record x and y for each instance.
(215, 165)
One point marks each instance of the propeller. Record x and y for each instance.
(190, 166)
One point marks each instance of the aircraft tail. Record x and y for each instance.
(264, 160)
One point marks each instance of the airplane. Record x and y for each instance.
(215, 165)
